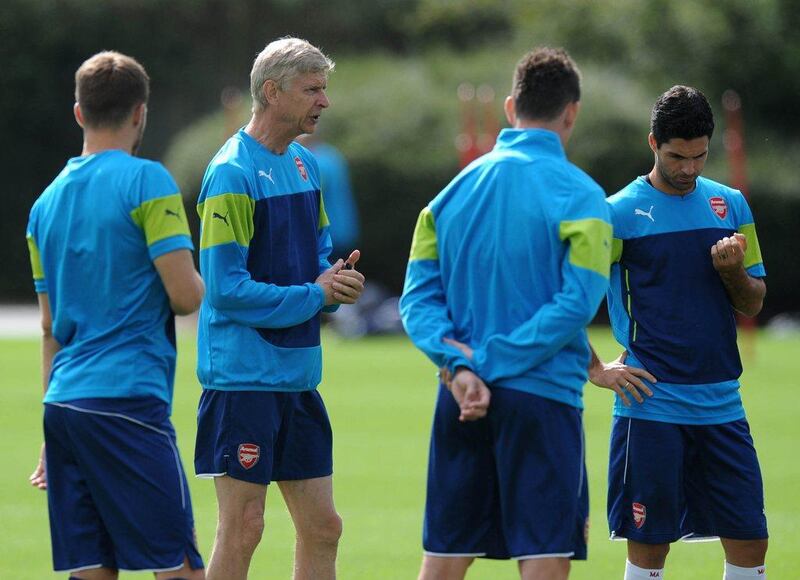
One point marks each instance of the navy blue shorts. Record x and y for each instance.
(668, 482)
(263, 436)
(512, 485)
(116, 489)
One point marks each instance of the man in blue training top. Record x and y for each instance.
(111, 257)
(264, 255)
(686, 256)
(506, 270)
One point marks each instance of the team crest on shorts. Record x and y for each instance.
(249, 454)
(639, 514)
(301, 168)
(719, 206)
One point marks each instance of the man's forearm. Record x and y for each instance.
(49, 349)
(745, 292)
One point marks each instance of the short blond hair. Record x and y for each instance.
(281, 61)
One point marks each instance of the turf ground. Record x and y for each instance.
(380, 395)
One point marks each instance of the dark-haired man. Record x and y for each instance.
(506, 270)
(686, 256)
(111, 258)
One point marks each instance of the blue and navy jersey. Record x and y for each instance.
(264, 241)
(668, 305)
(510, 259)
(93, 235)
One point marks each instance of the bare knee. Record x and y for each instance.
(745, 553)
(252, 525)
(324, 531)
(242, 530)
(650, 556)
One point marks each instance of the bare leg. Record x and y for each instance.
(745, 553)
(96, 574)
(444, 568)
(648, 556)
(239, 527)
(318, 526)
(544, 569)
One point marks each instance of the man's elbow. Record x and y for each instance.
(753, 309)
(189, 300)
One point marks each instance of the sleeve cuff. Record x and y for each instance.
(317, 290)
(460, 361)
(167, 245)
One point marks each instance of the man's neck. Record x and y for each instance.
(267, 132)
(97, 141)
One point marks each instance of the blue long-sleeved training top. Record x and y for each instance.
(512, 258)
(264, 240)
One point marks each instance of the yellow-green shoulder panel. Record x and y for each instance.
(589, 244)
(36, 261)
(161, 218)
(423, 246)
(226, 218)
(752, 255)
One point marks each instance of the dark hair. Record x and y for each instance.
(682, 113)
(545, 81)
(108, 86)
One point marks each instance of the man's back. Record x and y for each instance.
(500, 229)
(97, 228)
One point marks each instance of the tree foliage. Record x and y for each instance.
(395, 112)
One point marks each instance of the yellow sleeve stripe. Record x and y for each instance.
(616, 250)
(36, 261)
(323, 216)
(752, 255)
(589, 244)
(423, 246)
(226, 218)
(161, 218)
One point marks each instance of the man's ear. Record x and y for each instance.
(270, 91)
(651, 140)
(139, 114)
(510, 110)
(571, 114)
(76, 110)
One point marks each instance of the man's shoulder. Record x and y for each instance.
(230, 170)
(711, 188)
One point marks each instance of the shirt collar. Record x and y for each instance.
(542, 141)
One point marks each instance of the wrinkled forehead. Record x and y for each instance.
(313, 79)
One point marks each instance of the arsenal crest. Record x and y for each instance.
(249, 454)
(301, 168)
(719, 207)
(639, 514)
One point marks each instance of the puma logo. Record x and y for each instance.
(175, 213)
(221, 217)
(263, 173)
(648, 214)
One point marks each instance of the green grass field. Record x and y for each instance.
(380, 394)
